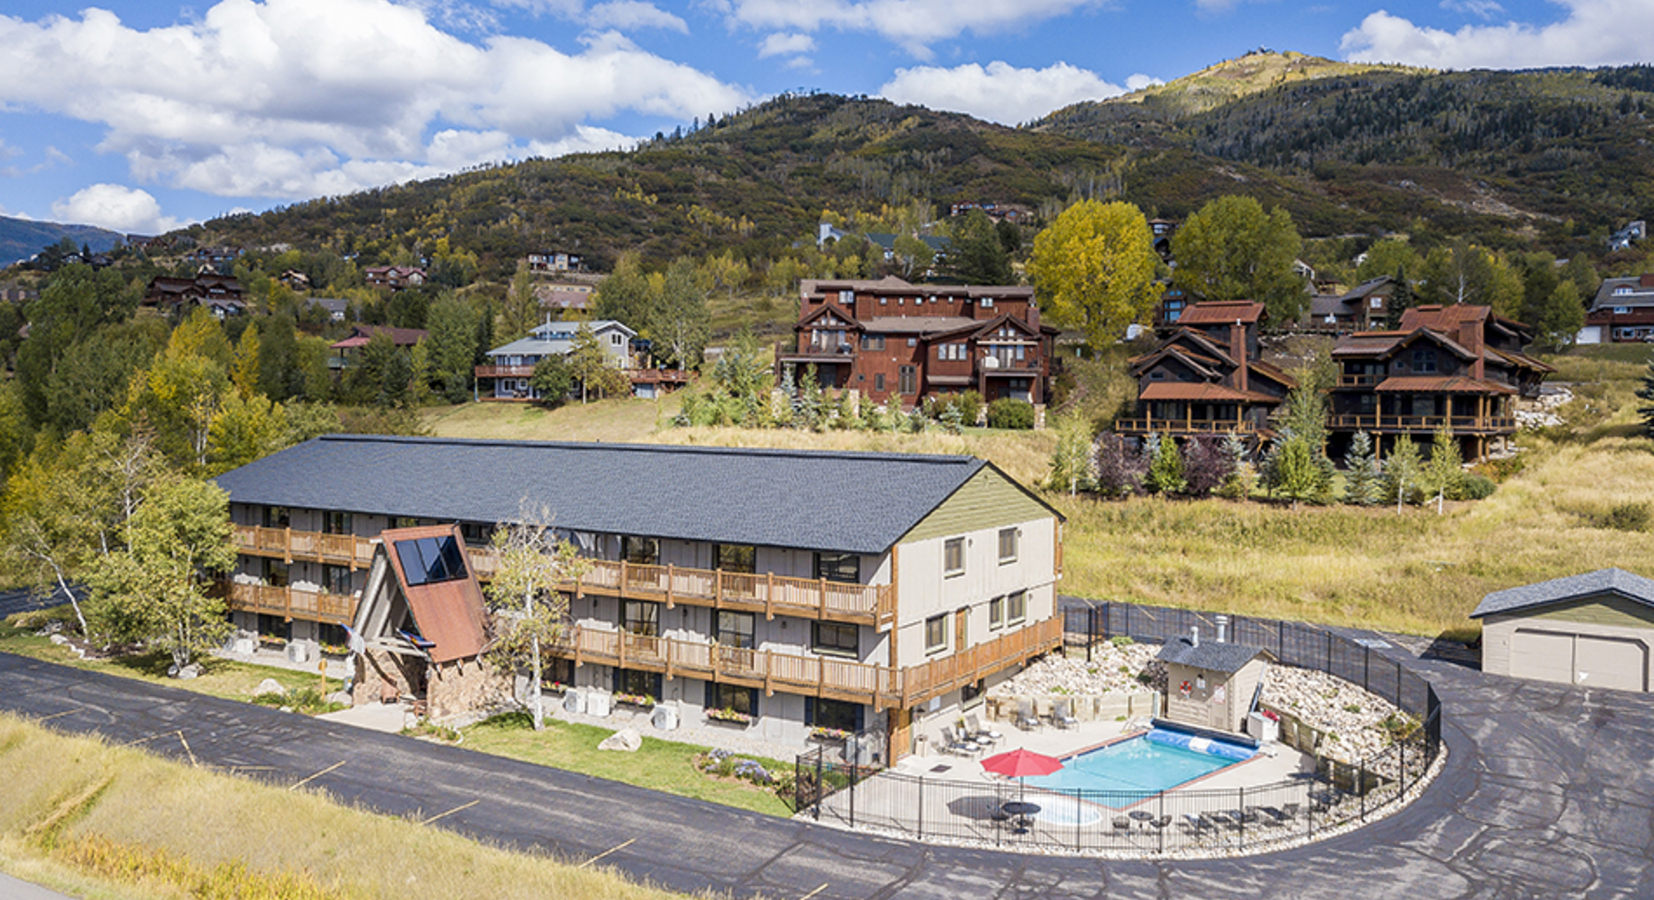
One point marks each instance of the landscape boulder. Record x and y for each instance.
(269, 686)
(626, 739)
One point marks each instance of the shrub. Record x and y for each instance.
(1627, 517)
(1119, 470)
(1206, 465)
(1476, 487)
(1008, 413)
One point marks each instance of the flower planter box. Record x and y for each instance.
(728, 718)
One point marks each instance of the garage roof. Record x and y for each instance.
(1573, 587)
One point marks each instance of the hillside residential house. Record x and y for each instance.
(1365, 308)
(337, 308)
(394, 278)
(221, 293)
(1206, 376)
(506, 374)
(554, 261)
(346, 349)
(1622, 310)
(564, 295)
(891, 340)
(1460, 366)
(904, 592)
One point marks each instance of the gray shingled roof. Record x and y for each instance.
(1210, 655)
(840, 502)
(1572, 587)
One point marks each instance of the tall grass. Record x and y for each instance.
(158, 828)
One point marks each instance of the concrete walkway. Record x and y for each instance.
(1548, 792)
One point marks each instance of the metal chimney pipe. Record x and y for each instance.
(1223, 628)
(1194, 635)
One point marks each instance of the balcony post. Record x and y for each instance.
(621, 588)
(821, 599)
(769, 595)
(287, 544)
(668, 654)
(769, 672)
(669, 579)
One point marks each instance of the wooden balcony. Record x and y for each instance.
(1392, 424)
(304, 546)
(769, 594)
(504, 371)
(1359, 380)
(290, 603)
(1152, 425)
(816, 676)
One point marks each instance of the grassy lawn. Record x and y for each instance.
(658, 765)
(614, 421)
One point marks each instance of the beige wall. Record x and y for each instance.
(1204, 707)
(1596, 642)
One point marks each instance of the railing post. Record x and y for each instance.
(921, 832)
(1241, 811)
(287, 544)
(669, 580)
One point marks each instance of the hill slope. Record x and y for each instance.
(23, 238)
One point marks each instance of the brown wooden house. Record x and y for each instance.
(1206, 377)
(1460, 366)
(891, 340)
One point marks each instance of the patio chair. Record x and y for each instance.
(1025, 715)
(1195, 824)
(952, 743)
(1122, 825)
(973, 727)
(1161, 823)
(1289, 811)
(1062, 714)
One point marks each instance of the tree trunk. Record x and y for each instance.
(534, 644)
(64, 586)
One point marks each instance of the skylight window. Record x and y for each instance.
(431, 560)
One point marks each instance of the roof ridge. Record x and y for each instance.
(793, 452)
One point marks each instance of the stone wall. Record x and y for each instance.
(465, 690)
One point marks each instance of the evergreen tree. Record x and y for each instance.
(1646, 394)
(977, 255)
(1361, 477)
(1242, 477)
(1297, 471)
(1166, 468)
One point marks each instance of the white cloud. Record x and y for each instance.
(1592, 33)
(781, 44)
(1001, 92)
(115, 207)
(914, 24)
(298, 98)
(628, 15)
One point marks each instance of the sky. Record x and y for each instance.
(145, 115)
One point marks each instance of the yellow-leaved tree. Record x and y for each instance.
(1094, 268)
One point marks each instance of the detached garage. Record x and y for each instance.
(1592, 630)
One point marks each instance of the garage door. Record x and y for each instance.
(1545, 655)
(1611, 662)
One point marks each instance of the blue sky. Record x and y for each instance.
(141, 116)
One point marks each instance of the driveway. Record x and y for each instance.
(1548, 792)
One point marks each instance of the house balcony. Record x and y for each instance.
(788, 351)
(290, 603)
(304, 546)
(1394, 424)
(815, 676)
(1345, 381)
(504, 371)
(1150, 425)
(769, 594)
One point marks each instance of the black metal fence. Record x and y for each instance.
(1219, 820)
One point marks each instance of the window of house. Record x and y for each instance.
(936, 633)
(729, 696)
(331, 635)
(640, 550)
(735, 629)
(404, 522)
(996, 613)
(275, 573)
(636, 683)
(1621, 310)
(913, 342)
(971, 694)
(640, 617)
(1424, 359)
(336, 523)
(872, 342)
(884, 301)
(843, 567)
(953, 556)
(878, 382)
(838, 715)
(1016, 607)
(846, 297)
(1007, 545)
(735, 558)
(336, 579)
(277, 517)
(987, 303)
(1622, 290)
(907, 380)
(616, 339)
(835, 639)
(476, 534)
(274, 627)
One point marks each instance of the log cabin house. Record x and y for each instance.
(815, 593)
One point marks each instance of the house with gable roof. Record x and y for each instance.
(904, 592)
(509, 368)
(1621, 311)
(1592, 630)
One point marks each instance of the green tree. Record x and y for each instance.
(1559, 318)
(1443, 473)
(913, 256)
(1362, 484)
(1094, 267)
(521, 310)
(1297, 473)
(552, 380)
(244, 370)
(245, 428)
(453, 347)
(151, 590)
(1232, 250)
(94, 375)
(1306, 403)
(594, 369)
(623, 296)
(74, 303)
(1646, 394)
(528, 609)
(1071, 460)
(1403, 477)
(1468, 273)
(1385, 257)
(1165, 468)
(977, 255)
(678, 322)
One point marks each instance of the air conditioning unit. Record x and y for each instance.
(574, 701)
(665, 717)
(597, 703)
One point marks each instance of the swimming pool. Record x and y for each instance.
(1140, 767)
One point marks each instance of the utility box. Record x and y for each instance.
(597, 704)
(1263, 727)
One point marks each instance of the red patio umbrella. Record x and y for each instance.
(1019, 763)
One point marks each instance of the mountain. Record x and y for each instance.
(23, 238)
(1558, 157)
(1234, 79)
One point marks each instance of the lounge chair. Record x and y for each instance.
(1025, 715)
(953, 744)
(1122, 825)
(1062, 714)
(973, 727)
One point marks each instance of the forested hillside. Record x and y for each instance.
(23, 238)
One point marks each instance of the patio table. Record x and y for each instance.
(1021, 810)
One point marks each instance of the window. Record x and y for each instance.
(936, 633)
(1621, 310)
(950, 351)
(908, 380)
(640, 550)
(638, 684)
(1424, 359)
(275, 573)
(404, 522)
(430, 560)
(728, 696)
(996, 613)
(1622, 290)
(987, 303)
(616, 339)
(641, 617)
(735, 629)
(872, 342)
(835, 639)
(336, 523)
(913, 342)
(477, 534)
(1007, 545)
(847, 297)
(878, 382)
(331, 635)
(274, 627)
(277, 517)
(1376, 302)
(838, 715)
(336, 579)
(843, 567)
(735, 558)
(1016, 607)
(953, 556)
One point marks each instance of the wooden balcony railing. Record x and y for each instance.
(1470, 424)
(306, 546)
(1359, 380)
(793, 673)
(1184, 426)
(291, 603)
(504, 371)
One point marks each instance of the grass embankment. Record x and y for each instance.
(613, 421)
(99, 821)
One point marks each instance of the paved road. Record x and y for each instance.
(1549, 792)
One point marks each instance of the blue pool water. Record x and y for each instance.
(1139, 767)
